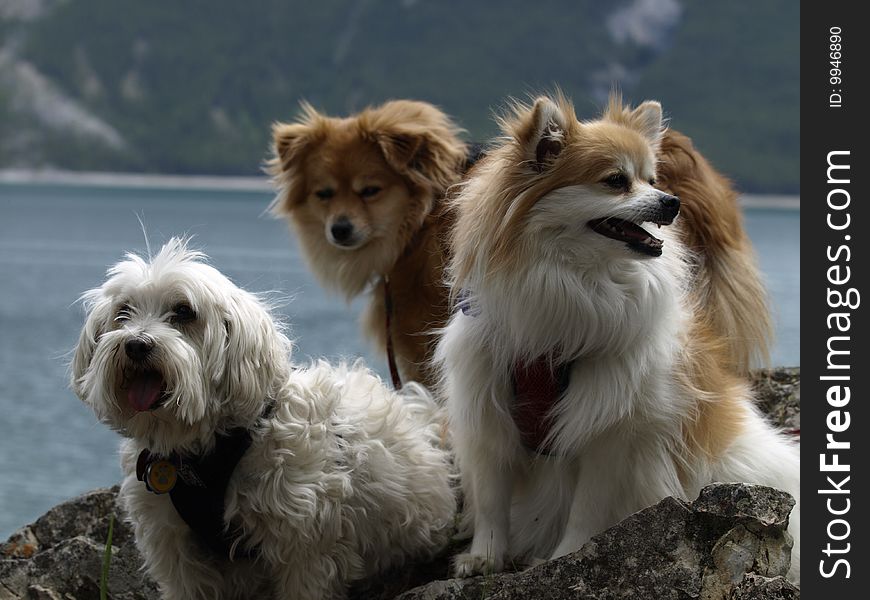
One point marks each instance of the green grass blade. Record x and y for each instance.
(107, 559)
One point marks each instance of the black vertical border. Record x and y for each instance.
(825, 129)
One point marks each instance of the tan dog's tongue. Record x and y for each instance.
(145, 391)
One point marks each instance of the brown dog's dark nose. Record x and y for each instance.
(341, 230)
(138, 349)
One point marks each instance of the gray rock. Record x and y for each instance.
(673, 550)
(758, 587)
(779, 395)
(730, 544)
(60, 556)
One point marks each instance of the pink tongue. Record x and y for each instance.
(145, 391)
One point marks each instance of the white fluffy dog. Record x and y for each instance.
(289, 482)
(583, 381)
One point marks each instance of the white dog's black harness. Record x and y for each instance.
(197, 486)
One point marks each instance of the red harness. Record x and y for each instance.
(538, 386)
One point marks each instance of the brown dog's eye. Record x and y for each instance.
(652, 180)
(617, 181)
(182, 313)
(369, 191)
(325, 193)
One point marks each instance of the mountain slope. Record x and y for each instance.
(194, 89)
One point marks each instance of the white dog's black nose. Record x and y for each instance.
(138, 349)
(342, 230)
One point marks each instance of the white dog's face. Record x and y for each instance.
(172, 351)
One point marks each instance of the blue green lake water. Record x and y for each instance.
(57, 241)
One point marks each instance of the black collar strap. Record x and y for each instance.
(197, 485)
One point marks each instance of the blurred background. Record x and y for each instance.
(181, 96)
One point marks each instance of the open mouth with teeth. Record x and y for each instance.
(637, 238)
(146, 390)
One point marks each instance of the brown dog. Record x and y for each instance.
(362, 193)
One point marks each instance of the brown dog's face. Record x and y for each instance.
(357, 189)
(355, 196)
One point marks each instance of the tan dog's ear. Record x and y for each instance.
(646, 119)
(417, 140)
(546, 133)
(540, 131)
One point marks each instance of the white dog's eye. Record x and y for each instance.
(123, 314)
(182, 313)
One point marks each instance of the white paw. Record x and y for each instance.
(469, 565)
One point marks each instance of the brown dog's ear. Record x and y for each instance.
(417, 140)
(288, 142)
(423, 158)
(401, 148)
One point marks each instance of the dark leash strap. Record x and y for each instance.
(391, 353)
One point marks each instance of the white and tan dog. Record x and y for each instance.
(584, 378)
(335, 476)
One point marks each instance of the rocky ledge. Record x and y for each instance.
(729, 544)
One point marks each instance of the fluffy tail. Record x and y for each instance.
(730, 295)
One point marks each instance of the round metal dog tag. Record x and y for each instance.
(160, 476)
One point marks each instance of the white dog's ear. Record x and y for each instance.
(544, 133)
(97, 321)
(256, 356)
